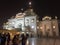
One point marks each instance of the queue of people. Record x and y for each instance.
(18, 39)
(4, 37)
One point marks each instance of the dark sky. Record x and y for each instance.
(9, 8)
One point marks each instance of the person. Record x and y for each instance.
(0, 38)
(27, 35)
(3, 39)
(24, 39)
(15, 40)
(8, 38)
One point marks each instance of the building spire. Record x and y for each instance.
(30, 4)
(21, 9)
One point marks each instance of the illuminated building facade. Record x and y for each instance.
(27, 21)
(49, 26)
(23, 21)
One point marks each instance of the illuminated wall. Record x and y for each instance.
(49, 27)
(26, 21)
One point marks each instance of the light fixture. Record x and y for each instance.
(54, 27)
(40, 27)
(29, 3)
(32, 27)
(32, 20)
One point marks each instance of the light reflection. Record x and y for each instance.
(32, 42)
(27, 43)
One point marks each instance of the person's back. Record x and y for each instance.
(0, 38)
(3, 39)
(14, 40)
(24, 38)
(8, 38)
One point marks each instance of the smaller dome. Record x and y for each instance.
(56, 17)
(20, 15)
(46, 18)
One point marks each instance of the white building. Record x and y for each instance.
(24, 21)
(27, 21)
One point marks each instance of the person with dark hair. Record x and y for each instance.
(15, 40)
(3, 39)
(27, 35)
(24, 39)
(8, 38)
(0, 38)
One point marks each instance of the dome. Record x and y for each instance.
(46, 18)
(20, 15)
(29, 12)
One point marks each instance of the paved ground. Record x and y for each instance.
(43, 41)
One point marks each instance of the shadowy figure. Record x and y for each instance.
(15, 40)
(0, 38)
(3, 39)
(27, 35)
(8, 38)
(24, 39)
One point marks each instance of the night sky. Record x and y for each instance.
(42, 8)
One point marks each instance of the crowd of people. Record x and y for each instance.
(18, 39)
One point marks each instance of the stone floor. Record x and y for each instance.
(43, 41)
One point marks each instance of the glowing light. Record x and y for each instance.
(33, 42)
(41, 28)
(37, 27)
(27, 43)
(29, 3)
(56, 17)
(32, 27)
(54, 27)
(32, 20)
